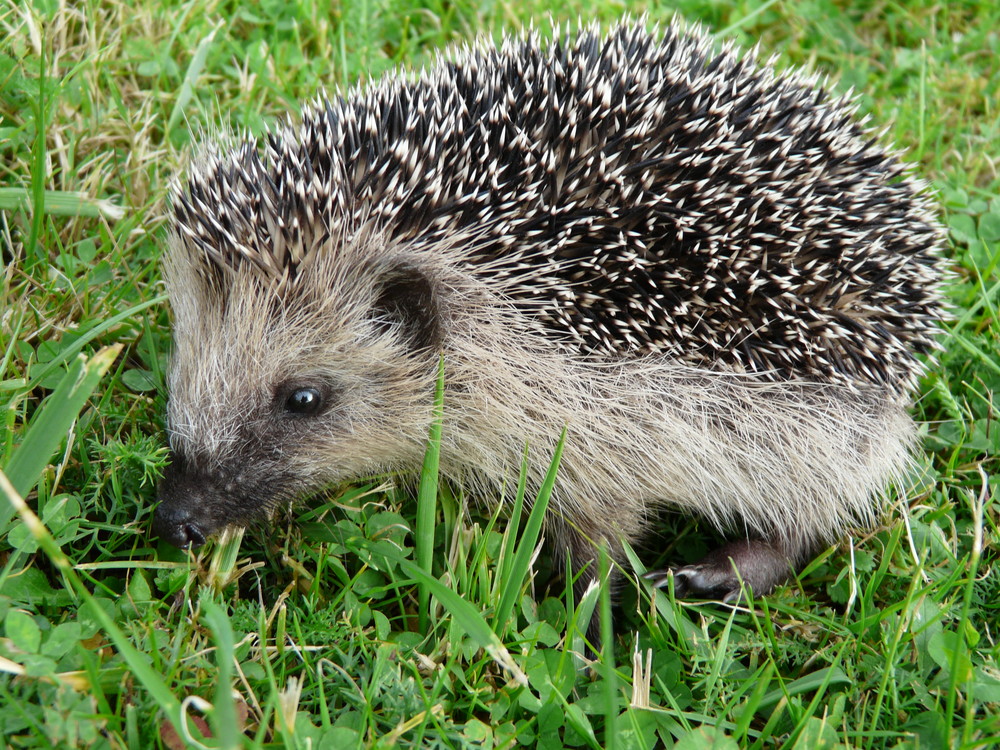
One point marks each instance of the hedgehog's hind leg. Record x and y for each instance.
(759, 563)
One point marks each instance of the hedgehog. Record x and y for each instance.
(709, 272)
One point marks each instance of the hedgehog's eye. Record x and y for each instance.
(304, 402)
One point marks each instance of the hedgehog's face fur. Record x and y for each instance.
(274, 380)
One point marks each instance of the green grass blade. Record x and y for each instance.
(746, 713)
(506, 557)
(41, 371)
(467, 617)
(427, 497)
(191, 77)
(576, 718)
(139, 664)
(55, 417)
(583, 613)
(222, 568)
(225, 722)
(820, 679)
(529, 539)
(33, 251)
(985, 358)
(464, 613)
(607, 656)
(60, 203)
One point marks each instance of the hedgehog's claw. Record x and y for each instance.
(756, 564)
(703, 581)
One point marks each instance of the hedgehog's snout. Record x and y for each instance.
(178, 526)
(186, 514)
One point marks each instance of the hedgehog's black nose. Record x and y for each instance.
(186, 515)
(178, 526)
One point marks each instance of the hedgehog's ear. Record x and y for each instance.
(406, 298)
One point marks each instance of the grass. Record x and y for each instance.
(325, 629)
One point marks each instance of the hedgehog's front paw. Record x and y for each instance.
(758, 564)
(703, 580)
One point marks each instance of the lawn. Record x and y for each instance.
(369, 616)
